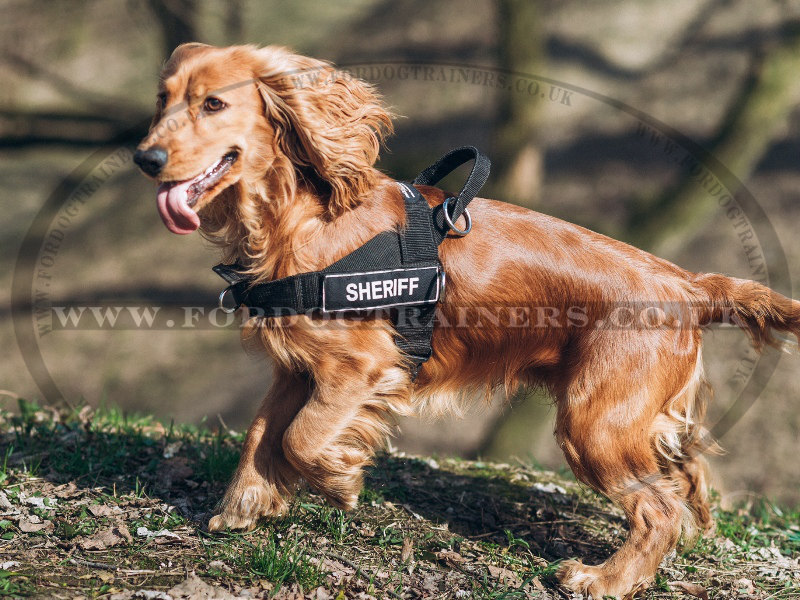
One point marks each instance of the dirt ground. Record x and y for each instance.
(103, 506)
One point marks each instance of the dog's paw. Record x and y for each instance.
(241, 509)
(594, 581)
(580, 578)
(224, 521)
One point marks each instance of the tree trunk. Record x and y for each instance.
(234, 21)
(760, 110)
(516, 156)
(178, 22)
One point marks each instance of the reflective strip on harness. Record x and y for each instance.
(380, 289)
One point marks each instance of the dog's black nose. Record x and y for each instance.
(152, 160)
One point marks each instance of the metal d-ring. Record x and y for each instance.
(222, 306)
(449, 221)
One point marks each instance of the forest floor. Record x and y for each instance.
(104, 505)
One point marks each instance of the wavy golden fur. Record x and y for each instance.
(300, 190)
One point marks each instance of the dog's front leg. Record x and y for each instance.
(264, 479)
(336, 433)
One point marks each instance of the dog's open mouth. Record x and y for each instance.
(176, 199)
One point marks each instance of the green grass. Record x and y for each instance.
(219, 459)
(13, 584)
(331, 522)
(284, 561)
(4, 465)
(421, 526)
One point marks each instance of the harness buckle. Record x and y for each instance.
(221, 301)
(449, 220)
(442, 283)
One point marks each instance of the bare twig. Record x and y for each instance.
(93, 564)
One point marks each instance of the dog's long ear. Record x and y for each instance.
(325, 120)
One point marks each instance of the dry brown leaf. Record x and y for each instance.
(100, 510)
(744, 586)
(505, 575)
(174, 469)
(107, 538)
(194, 587)
(454, 559)
(693, 589)
(29, 525)
(407, 553)
(68, 490)
(104, 576)
(321, 594)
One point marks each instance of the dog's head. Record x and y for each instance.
(251, 121)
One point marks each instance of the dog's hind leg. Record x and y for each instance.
(264, 478)
(681, 421)
(612, 432)
(690, 475)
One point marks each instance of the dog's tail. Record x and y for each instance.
(755, 308)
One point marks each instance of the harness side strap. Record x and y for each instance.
(297, 294)
(442, 167)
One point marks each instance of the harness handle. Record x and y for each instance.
(444, 166)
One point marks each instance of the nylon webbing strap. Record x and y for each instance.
(394, 269)
(381, 252)
(299, 293)
(444, 166)
(417, 238)
(414, 325)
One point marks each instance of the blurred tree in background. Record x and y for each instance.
(177, 20)
(516, 153)
(81, 75)
(757, 114)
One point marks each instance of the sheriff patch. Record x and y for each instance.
(380, 289)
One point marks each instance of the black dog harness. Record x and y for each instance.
(398, 270)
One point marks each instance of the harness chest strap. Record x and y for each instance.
(335, 292)
(397, 270)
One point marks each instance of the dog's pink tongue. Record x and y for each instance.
(173, 206)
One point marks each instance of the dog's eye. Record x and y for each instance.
(212, 104)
